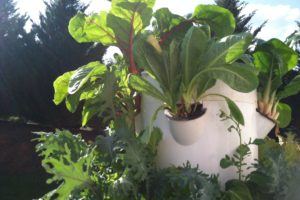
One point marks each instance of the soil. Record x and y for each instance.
(198, 109)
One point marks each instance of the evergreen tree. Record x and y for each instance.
(30, 62)
(242, 20)
(13, 43)
(58, 53)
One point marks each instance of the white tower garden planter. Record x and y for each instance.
(211, 141)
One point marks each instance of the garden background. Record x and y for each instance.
(37, 48)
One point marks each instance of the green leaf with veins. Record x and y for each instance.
(70, 168)
(61, 85)
(169, 26)
(84, 73)
(239, 77)
(220, 20)
(226, 50)
(91, 28)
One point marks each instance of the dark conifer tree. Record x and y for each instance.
(13, 43)
(30, 62)
(242, 21)
(59, 53)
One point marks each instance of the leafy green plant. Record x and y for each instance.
(112, 167)
(243, 150)
(274, 174)
(104, 91)
(120, 165)
(184, 182)
(274, 59)
(277, 171)
(190, 64)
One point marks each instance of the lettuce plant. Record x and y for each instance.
(188, 63)
(274, 59)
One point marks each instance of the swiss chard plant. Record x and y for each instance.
(103, 90)
(274, 59)
(189, 55)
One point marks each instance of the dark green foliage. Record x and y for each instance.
(185, 182)
(30, 62)
(278, 171)
(13, 43)
(103, 90)
(115, 166)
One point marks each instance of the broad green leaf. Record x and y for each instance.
(91, 28)
(238, 76)
(89, 110)
(137, 13)
(61, 85)
(167, 20)
(145, 55)
(235, 111)
(226, 51)
(193, 45)
(237, 190)
(72, 102)
(127, 19)
(163, 65)
(170, 26)
(203, 85)
(220, 20)
(285, 115)
(150, 3)
(290, 89)
(83, 74)
(143, 86)
(275, 57)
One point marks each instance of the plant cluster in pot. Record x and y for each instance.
(274, 59)
(185, 64)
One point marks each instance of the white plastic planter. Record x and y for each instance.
(212, 141)
(263, 125)
(186, 132)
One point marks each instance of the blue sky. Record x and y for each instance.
(281, 14)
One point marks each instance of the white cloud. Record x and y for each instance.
(281, 19)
